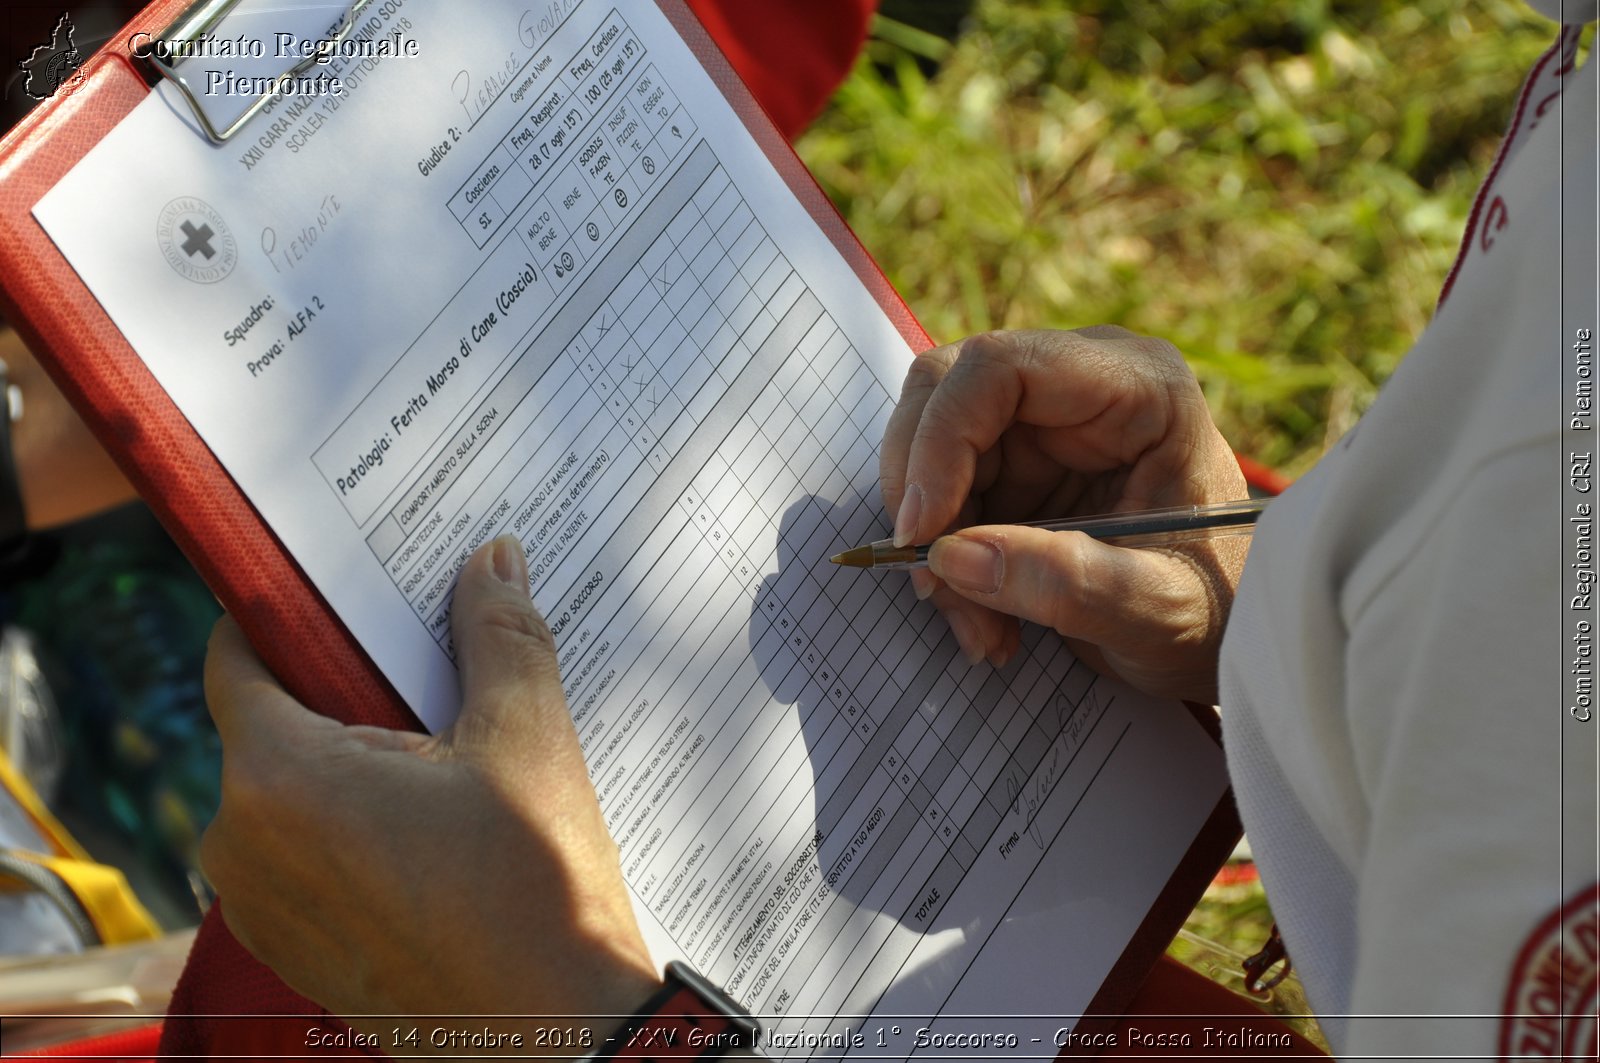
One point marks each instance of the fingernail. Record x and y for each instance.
(966, 633)
(905, 522)
(967, 564)
(924, 583)
(508, 564)
(1002, 657)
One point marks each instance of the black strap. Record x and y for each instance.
(1257, 980)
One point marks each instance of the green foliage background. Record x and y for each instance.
(1276, 186)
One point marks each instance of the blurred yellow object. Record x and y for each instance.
(101, 892)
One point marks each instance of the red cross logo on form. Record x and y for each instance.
(195, 241)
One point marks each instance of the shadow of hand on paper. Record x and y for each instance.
(835, 867)
(917, 763)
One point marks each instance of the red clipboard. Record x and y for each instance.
(252, 574)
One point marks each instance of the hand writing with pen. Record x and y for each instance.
(1011, 427)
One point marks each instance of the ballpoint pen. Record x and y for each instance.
(1147, 527)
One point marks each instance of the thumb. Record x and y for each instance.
(511, 695)
(1110, 596)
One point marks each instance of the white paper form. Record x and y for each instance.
(537, 279)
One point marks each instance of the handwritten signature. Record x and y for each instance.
(1027, 797)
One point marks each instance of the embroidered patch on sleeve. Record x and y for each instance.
(1550, 1000)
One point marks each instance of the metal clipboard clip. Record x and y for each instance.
(200, 20)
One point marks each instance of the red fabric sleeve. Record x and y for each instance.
(792, 53)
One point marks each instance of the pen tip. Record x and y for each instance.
(860, 557)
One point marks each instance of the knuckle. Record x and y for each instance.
(891, 477)
(1068, 583)
(520, 621)
(1161, 349)
(923, 376)
(515, 658)
(1140, 353)
(1168, 365)
(939, 422)
(1104, 332)
(1159, 364)
(989, 359)
(1039, 353)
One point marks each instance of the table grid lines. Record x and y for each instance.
(907, 768)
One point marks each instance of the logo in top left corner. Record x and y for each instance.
(52, 64)
(195, 241)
